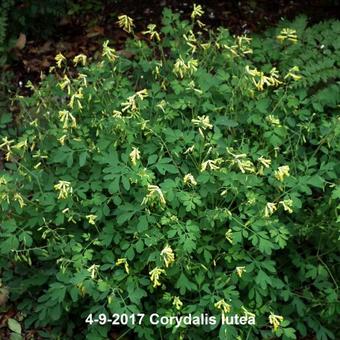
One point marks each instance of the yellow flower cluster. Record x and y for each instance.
(64, 189)
(152, 32)
(155, 275)
(287, 34)
(181, 68)
(281, 173)
(91, 219)
(60, 59)
(134, 155)
(177, 303)
(67, 119)
(211, 164)
(81, 58)
(131, 104)
(240, 271)
(126, 23)
(269, 209)
(189, 180)
(275, 320)
(168, 256)
(203, 123)
(245, 165)
(109, 52)
(223, 306)
(260, 79)
(125, 263)
(292, 73)
(154, 191)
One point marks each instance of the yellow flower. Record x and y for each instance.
(153, 192)
(265, 162)
(134, 155)
(59, 58)
(19, 199)
(177, 303)
(287, 205)
(124, 262)
(281, 172)
(168, 255)
(81, 58)
(269, 209)
(229, 235)
(62, 139)
(223, 306)
(273, 120)
(126, 23)
(66, 117)
(181, 68)
(197, 12)
(211, 164)
(65, 83)
(287, 34)
(154, 276)
(247, 313)
(109, 52)
(93, 270)
(131, 104)
(91, 219)
(293, 75)
(275, 320)
(78, 95)
(151, 31)
(189, 180)
(240, 271)
(64, 188)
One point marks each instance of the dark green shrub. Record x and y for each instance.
(199, 176)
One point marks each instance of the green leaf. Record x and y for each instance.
(14, 325)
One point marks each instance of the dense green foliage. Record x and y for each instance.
(201, 175)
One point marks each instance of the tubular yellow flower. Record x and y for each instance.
(134, 155)
(189, 180)
(91, 219)
(64, 189)
(269, 209)
(223, 306)
(229, 235)
(59, 58)
(154, 191)
(275, 320)
(287, 34)
(77, 96)
(211, 164)
(168, 256)
(154, 276)
(125, 263)
(281, 173)
(109, 52)
(240, 271)
(287, 205)
(247, 313)
(66, 83)
(80, 58)
(265, 162)
(66, 117)
(181, 68)
(273, 120)
(93, 270)
(177, 303)
(152, 32)
(293, 75)
(126, 23)
(19, 199)
(197, 12)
